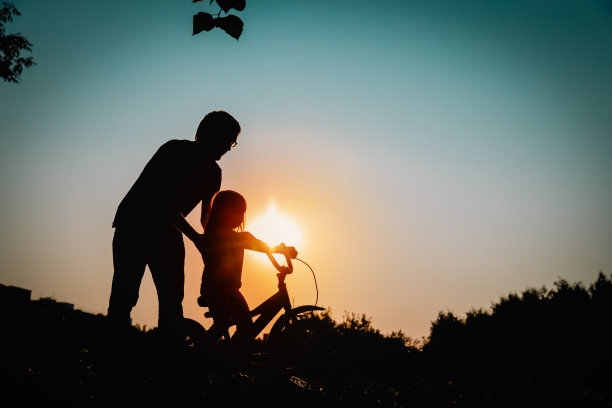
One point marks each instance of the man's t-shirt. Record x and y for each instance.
(176, 179)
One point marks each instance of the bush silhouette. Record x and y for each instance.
(541, 348)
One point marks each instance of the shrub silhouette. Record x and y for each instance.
(540, 348)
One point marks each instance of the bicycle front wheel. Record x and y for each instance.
(292, 343)
(193, 334)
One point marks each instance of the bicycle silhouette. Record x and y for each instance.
(285, 334)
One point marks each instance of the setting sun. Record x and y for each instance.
(274, 227)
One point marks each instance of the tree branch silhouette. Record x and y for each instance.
(11, 46)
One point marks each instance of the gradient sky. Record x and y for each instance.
(436, 154)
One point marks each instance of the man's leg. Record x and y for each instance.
(129, 266)
(167, 261)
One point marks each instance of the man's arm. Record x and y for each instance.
(215, 186)
(179, 221)
(183, 225)
(205, 211)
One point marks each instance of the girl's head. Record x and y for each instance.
(227, 210)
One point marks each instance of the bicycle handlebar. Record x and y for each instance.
(278, 267)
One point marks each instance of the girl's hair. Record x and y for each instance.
(224, 204)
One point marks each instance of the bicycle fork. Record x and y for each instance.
(270, 308)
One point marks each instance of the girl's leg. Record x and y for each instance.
(242, 315)
(219, 306)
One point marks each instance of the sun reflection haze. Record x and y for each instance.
(273, 227)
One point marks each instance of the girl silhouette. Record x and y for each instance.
(223, 248)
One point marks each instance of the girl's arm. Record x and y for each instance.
(254, 244)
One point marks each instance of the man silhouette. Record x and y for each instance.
(151, 217)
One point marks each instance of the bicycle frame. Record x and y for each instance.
(196, 335)
(269, 308)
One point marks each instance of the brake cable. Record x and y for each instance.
(315, 279)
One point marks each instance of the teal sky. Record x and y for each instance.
(436, 154)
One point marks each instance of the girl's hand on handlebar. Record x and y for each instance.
(284, 269)
(288, 251)
(291, 252)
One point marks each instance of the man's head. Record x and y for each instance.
(218, 131)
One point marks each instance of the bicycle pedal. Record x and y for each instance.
(261, 354)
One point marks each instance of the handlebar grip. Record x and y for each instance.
(277, 266)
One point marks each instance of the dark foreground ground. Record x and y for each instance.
(540, 348)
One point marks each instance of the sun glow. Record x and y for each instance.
(274, 227)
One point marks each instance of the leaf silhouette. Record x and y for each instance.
(231, 24)
(227, 5)
(239, 4)
(202, 22)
